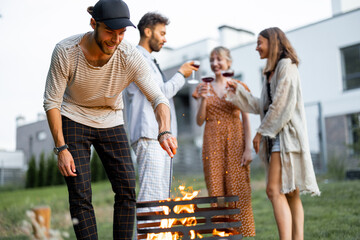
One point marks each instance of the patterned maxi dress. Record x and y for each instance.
(223, 147)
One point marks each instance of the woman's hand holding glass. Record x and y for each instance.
(203, 90)
(208, 80)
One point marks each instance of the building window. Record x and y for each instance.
(354, 133)
(351, 67)
(41, 136)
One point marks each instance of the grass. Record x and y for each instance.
(334, 215)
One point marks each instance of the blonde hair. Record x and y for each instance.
(279, 47)
(223, 52)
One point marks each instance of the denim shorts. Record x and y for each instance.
(275, 143)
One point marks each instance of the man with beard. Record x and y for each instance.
(153, 166)
(83, 103)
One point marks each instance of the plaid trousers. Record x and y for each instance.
(111, 144)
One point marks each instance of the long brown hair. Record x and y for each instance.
(279, 47)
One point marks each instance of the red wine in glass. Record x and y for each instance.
(196, 64)
(208, 80)
(193, 80)
(228, 73)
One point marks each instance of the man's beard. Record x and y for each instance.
(154, 45)
(101, 44)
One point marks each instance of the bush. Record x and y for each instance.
(97, 169)
(31, 175)
(57, 178)
(336, 167)
(51, 169)
(42, 171)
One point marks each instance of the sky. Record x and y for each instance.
(29, 30)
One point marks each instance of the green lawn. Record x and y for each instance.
(334, 215)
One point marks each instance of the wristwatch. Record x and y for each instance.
(57, 150)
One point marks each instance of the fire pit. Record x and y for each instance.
(189, 219)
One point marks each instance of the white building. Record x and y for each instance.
(329, 53)
(12, 168)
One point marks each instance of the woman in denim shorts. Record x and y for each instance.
(281, 140)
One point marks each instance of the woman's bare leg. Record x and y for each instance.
(297, 213)
(278, 200)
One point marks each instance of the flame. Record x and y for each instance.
(189, 221)
(220, 234)
(168, 223)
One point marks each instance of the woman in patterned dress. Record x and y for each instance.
(226, 150)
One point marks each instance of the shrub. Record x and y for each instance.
(31, 175)
(42, 171)
(336, 167)
(58, 179)
(51, 169)
(96, 167)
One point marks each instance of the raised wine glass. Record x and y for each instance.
(229, 73)
(208, 80)
(193, 80)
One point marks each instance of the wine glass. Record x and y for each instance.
(229, 73)
(208, 80)
(193, 80)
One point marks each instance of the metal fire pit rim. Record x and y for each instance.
(231, 237)
(186, 229)
(228, 211)
(196, 200)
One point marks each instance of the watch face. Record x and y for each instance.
(56, 151)
(59, 149)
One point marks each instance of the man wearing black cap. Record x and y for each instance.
(83, 104)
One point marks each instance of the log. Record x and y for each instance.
(42, 217)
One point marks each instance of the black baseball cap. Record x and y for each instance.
(114, 13)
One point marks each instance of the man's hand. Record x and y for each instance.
(169, 143)
(187, 68)
(66, 164)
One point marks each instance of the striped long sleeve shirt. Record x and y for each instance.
(93, 95)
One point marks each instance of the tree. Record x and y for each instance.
(355, 134)
(31, 175)
(97, 169)
(42, 171)
(59, 179)
(51, 169)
